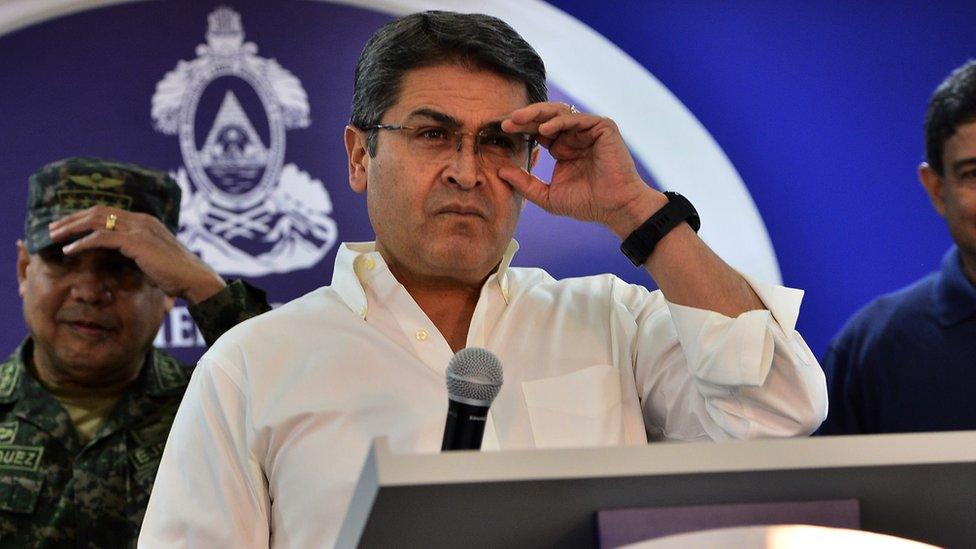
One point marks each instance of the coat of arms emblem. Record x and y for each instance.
(244, 210)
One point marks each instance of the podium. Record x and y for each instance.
(917, 486)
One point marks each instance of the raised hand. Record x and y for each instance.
(594, 178)
(145, 240)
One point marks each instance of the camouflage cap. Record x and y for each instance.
(73, 184)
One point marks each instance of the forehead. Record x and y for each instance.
(472, 96)
(962, 144)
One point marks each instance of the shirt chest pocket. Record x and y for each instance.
(19, 493)
(574, 410)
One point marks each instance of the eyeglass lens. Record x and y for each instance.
(493, 146)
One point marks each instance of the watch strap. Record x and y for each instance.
(639, 245)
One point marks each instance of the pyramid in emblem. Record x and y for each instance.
(233, 153)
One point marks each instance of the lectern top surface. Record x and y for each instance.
(673, 458)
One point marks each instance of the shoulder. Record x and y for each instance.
(897, 308)
(293, 324)
(167, 375)
(12, 373)
(602, 289)
(293, 313)
(890, 317)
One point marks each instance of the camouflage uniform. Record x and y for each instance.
(54, 492)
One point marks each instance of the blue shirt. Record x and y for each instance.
(907, 361)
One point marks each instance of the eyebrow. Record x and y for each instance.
(450, 121)
(959, 164)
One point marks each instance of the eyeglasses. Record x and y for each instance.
(438, 143)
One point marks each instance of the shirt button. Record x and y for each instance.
(369, 264)
(421, 335)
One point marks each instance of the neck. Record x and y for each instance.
(65, 380)
(448, 303)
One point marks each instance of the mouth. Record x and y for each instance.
(90, 328)
(465, 211)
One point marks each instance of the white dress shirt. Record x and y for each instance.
(279, 415)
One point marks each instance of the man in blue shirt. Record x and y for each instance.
(907, 361)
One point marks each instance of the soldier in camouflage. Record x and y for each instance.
(86, 402)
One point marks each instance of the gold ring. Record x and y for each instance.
(110, 222)
(573, 109)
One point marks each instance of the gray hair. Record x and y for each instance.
(432, 38)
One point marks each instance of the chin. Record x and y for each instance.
(88, 364)
(462, 262)
(100, 358)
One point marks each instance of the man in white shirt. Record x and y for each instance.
(280, 413)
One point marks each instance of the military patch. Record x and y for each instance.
(9, 374)
(158, 430)
(169, 375)
(8, 431)
(20, 458)
(147, 456)
(96, 180)
(72, 201)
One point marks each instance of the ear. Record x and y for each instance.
(933, 186)
(23, 259)
(358, 156)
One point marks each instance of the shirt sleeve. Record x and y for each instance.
(703, 375)
(210, 490)
(237, 302)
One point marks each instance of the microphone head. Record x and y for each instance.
(474, 376)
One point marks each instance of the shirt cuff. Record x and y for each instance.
(237, 302)
(736, 351)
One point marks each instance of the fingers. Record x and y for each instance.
(96, 219)
(528, 119)
(555, 124)
(562, 129)
(134, 235)
(530, 186)
(145, 240)
(106, 227)
(540, 112)
(97, 239)
(91, 219)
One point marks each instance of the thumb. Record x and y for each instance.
(530, 186)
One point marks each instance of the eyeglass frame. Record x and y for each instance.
(526, 138)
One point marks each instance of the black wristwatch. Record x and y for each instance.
(639, 245)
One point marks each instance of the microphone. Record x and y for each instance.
(474, 377)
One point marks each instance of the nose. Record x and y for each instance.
(92, 287)
(465, 171)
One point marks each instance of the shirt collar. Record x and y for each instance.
(502, 273)
(355, 261)
(955, 295)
